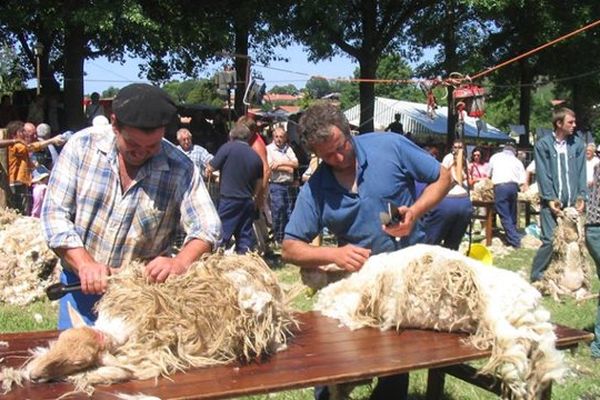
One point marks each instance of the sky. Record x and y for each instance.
(101, 74)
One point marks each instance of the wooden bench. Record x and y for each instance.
(321, 353)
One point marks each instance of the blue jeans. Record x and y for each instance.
(544, 254)
(282, 203)
(447, 223)
(506, 207)
(237, 216)
(592, 240)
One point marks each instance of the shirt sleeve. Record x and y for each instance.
(199, 217)
(60, 202)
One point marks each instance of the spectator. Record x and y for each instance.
(359, 178)
(446, 223)
(396, 125)
(507, 173)
(20, 165)
(560, 172)
(116, 198)
(240, 175)
(590, 162)
(39, 181)
(283, 163)
(93, 109)
(198, 154)
(478, 168)
(592, 239)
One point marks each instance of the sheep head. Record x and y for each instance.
(76, 349)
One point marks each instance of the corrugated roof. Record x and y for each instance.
(414, 118)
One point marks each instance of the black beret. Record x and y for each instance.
(143, 106)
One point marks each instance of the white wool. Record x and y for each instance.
(508, 315)
(116, 327)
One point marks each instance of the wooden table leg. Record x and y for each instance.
(435, 384)
(489, 214)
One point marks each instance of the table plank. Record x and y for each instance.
(321, 352)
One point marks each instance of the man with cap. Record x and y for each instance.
(507, 174)
(122, 197)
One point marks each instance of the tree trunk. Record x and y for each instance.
(526, 79)
(74, 51)
(450, 65)
(242, 65)
(368, 70)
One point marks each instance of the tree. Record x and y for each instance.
(11, 71)
(110, 92)
(317, 87)
(364, 30)
(286, 89)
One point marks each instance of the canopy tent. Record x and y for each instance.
(415, 120)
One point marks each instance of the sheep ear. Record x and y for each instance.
(76, 319)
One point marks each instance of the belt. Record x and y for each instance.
(281, 183)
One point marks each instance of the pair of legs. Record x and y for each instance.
(237, 216)
(388, 387)
(505, 195)
(544, 254)
(447, 223)
(283, 197)
(592, 240)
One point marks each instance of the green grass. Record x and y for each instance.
(582, 382)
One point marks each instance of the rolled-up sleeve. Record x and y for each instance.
(59, 205)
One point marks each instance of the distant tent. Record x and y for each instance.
(415, 120)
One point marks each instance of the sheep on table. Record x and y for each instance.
(224, 308)
(429, 287)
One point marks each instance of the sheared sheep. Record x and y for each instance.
(27, 265)
(569, 272)
(224, 308)
(430, 287)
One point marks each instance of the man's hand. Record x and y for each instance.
(58, 140)
(580, 205)
(404, 227)
(93, 277)
(159, 269)
(351, 258)
(555, 207)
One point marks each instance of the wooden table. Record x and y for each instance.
(321, 353)
(489, 217)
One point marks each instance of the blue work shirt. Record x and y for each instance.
(387, 167)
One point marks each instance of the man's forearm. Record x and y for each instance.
(74, 257)
(192, 251)
(305, 255)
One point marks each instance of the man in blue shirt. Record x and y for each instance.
(357, 180)
(241, 177)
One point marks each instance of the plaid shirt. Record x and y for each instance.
(199, 155)
(85, 206)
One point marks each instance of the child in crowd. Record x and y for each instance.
(40, 184)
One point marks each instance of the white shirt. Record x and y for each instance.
(456, 190)
(589, 169)
(275, 154)
(505, 167)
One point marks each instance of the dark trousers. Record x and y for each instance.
(506, 207)
(282, 204)
(388, 387)
(447, 223)
(237, 216)
(21, 198)
(592, 240)
(544, 254)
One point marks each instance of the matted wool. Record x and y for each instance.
(483, 190)
(569, 272)
(429, 287)
(531, 195)
(224, 308)
(27, 265)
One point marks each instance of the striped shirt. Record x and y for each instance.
(85, 206)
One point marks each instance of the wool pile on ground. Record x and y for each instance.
(429, 287)
(483, 190)
(224, 308)
(569, 272)
(27, 265)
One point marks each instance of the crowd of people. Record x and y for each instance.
(122, 192)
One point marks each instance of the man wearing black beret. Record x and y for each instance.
(116, 198)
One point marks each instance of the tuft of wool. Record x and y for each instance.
(569, 272)
(429, 287)
(532, 195)
(27, 265)
(483, 190)
(224, 308)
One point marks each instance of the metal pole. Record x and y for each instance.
(39, 86)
